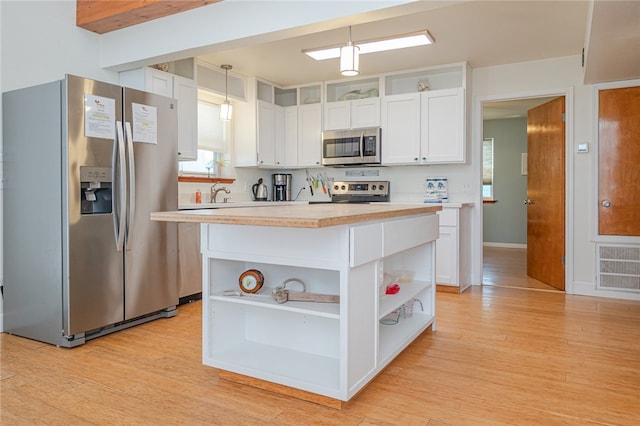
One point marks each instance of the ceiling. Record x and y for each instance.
(483, 33)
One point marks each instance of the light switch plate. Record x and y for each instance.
(583, 147)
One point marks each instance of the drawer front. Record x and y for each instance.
(365, 244)
(406, 233)
(448, 217)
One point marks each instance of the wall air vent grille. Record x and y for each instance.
(619, 267)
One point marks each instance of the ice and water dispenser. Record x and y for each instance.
(95, 190)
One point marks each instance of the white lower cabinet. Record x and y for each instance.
(453, 248)
(330, 349)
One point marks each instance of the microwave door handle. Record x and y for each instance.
(119, 176)
(362, 145)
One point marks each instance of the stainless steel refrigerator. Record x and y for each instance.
(85, 163)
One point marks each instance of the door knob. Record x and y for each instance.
(606, 203)
(527, 202)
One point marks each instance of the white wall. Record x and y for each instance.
(41, 43)
(546, 77)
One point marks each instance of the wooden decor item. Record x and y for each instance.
(103, 16)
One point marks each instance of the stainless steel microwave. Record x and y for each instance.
(351, 147)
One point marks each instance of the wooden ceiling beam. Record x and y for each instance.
(103, 16)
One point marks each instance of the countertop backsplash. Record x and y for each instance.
(408, 183)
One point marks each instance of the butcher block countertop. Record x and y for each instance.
(297, 216)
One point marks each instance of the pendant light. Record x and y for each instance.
(225, 108)
(349, 58)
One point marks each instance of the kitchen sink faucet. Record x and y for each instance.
(214, 192)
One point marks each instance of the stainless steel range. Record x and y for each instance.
(360, 191)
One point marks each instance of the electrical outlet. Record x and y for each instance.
(466, 187)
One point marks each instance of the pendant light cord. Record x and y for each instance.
(226, 68)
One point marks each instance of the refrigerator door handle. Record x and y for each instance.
(117, 202)
(131, 210)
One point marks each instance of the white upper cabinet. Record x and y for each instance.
(185, 91)
(266, 134)
(424, 116)
(286, 135)
(401, 129)
(443, 126)
(279, 127)
(156, 81)
(309, 148)
(352, 104)
(254, 124)
(182, 89)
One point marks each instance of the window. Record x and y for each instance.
(487, 168)
(213, 141)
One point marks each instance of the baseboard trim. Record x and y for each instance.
(584, 288)
(281, 389)
(448, 288)
(504, 245)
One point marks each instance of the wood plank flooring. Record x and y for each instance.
(507, 267)
(499, 356)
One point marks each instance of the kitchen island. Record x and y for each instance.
(320, 351)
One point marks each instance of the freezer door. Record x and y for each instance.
(92, 264)
(151, 248)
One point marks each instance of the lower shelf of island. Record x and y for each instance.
(282, 343)
(403, 317)
(296, 369)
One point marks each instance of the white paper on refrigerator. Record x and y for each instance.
(145, 123)
(99, 116)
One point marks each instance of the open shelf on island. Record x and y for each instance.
(264, 299)
(408, 291)
(394, 338)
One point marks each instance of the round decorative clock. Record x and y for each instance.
(251, 281)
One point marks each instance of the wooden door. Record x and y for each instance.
(618, 159)
(546, 193)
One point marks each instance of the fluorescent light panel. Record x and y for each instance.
(421, 38)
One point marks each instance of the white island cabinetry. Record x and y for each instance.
(326, 350)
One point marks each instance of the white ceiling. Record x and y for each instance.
(483, 33)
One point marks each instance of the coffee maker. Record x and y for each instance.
(281, 187)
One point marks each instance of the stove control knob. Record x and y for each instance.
(336, 187)
(373, 187)
(381, 187)
(343, 187)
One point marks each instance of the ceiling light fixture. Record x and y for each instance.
(419, 38)
(226, 109)
(349, 58)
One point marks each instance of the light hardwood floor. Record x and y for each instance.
(507, 267)
(499, 356)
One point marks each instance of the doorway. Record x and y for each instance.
(515, 249)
